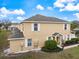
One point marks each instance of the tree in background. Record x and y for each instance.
(77, 33)
(6, 23)
(74, 24)
(0, 25)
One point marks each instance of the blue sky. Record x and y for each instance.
(18, 10)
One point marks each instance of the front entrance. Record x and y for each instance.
(58, 38)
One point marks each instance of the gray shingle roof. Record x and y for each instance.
(16, 33)
(56, 34)
(44, 18)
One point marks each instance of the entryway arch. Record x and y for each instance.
(57, 37)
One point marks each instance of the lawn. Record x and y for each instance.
(3, 39)
(72, 53)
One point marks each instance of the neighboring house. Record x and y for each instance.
(33, 32)
(13, 25)
(76, 32)
(2, 27)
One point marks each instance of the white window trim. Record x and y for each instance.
(65, 37)
(38, 27)
(26, 43)
(32, 27)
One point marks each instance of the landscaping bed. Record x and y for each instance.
(71, 42)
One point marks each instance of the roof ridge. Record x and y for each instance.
(40, 17)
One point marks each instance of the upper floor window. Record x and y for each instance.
(35, 27)
(65, 26)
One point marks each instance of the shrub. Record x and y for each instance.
(72, 41)
(76, 39)
(51, 46)
(57, 49)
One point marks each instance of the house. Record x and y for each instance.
(13, 25)
(33, 32)
(76, 31)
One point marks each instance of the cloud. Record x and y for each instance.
(49, 8)
(77, 15)
(70, 7)
(40, 7)
(77, 7)
(67, 5)
(65, 1)
(1, 15)
(5, 11)
(20, 18)
(14, 21)
(18, 12)
(65, 18)
(58, 4)
(12, 14)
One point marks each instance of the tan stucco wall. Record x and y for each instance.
(16, 45)
(45, 31)
(39, 36)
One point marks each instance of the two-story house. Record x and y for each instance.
(33, 32)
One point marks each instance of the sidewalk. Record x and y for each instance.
(71, 46)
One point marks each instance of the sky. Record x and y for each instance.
(19, 10)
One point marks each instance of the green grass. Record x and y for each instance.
(3, 39)
(72, 53)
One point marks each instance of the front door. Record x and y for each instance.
(58, 40)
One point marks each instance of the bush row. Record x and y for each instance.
(57, 49)
(72, 41)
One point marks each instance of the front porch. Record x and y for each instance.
(57, 37)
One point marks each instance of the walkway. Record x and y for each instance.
(71, 46)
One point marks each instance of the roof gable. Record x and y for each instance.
(39, 17)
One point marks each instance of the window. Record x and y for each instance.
(29, 42)
(35, 27)
(65, 26)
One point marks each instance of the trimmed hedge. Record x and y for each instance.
(51, 46)
(57, 49)
(72, 41)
